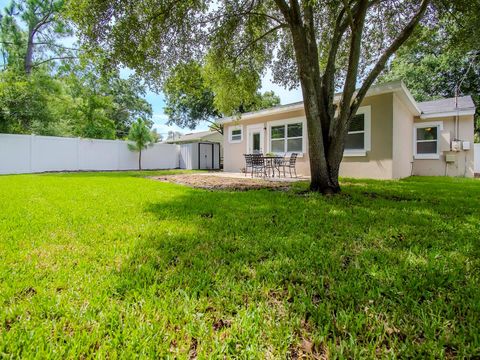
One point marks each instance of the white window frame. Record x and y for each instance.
(261, 128)
(286, 122)
(230, 133)
(366, 111)
(421, 125)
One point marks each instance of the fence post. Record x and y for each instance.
(118, 153)
(32, 140)
(78, 154)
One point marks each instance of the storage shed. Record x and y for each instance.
(200, 156)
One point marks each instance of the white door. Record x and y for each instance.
(255, 140)
(206, 156)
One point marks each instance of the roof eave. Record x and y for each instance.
(465, 112)
(397, 87)
(266, 112)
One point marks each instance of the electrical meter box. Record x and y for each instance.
(456, 145)
(450, 158)
(466, 145)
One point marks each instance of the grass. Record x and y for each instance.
(116, 265)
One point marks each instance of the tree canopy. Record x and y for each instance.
(49, 88)
(442, 60)
(30, 32)
(190, 98)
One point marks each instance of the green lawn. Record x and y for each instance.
(113, 264)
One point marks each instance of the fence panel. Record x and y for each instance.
(54, 154)
(98, 154)
(15, 153)
(31, 153)
(160, 156)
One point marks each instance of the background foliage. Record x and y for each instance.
(50, 88)
(436, 63)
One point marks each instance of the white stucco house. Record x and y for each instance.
(391, 137)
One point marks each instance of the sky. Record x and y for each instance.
(158, 101)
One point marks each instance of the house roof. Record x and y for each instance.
(195, 136)
(397, 87)
(425, 110)
(447, 107)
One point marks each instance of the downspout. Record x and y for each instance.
(456, 126)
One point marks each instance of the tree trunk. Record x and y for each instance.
(140, 160)
(324, 174)
(29, 54)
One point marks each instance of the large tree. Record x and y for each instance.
(50, 88)
(323, 45)
(32, 33)
(104, 104)
(26, 103)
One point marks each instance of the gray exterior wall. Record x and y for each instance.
(392, 144)
(464, 160)
(377, 164)
(402, 144)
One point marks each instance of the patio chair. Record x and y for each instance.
(278, 164)
(248, 162)
(290, 164)
(258, 165)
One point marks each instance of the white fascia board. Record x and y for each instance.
(448, 114)
(266, 112)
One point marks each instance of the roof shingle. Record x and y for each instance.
(446, 105)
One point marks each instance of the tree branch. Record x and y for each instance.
(215, 126)
(380, 65)
(296, 12)
(285, 9)
(353, 61)
(346, 7)
(245, 48)
(53, 59)
(341, 26)
(264, 15)
(55, 45)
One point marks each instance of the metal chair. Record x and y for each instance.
(258, 164)
(277, 164)
(248, 162)
(290, 164)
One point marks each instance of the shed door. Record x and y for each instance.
(206, 156)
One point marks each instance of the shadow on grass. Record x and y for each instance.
(385, 267)
(116, 173)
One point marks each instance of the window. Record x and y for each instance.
(426, 139)
(356, 133)
(236, 134)
(357, 142)
(286, 138)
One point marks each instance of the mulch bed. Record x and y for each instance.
(222, 183)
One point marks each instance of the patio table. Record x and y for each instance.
(273, 162)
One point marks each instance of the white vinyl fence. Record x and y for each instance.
(477, 158)
(32, 153)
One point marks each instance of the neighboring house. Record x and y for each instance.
(392, 136)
